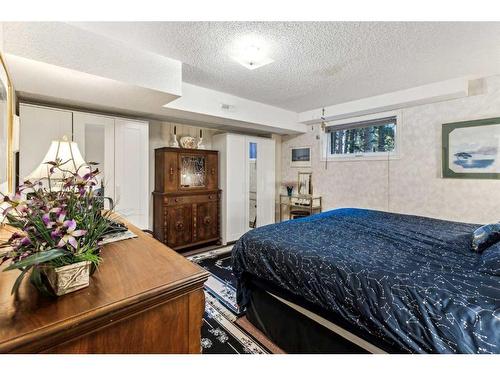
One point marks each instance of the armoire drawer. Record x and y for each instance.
(189, 199)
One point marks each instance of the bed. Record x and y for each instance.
(397, 283)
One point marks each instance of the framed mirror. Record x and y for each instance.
(6, 118)
(305, 183)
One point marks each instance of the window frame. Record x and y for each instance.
(395, 154)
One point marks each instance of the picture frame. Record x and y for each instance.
(6, 130)
(304, 185)
(471, 149)
(300, 157)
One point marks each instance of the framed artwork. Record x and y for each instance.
(471, 149)
(6, 119)
(300, 157)
(304, 185)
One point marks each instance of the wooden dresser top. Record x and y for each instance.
(135, 274)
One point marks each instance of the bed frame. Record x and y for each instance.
(298, 327)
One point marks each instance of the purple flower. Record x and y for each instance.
(61, 217)
(55, 234)
(71, 233)
(47, 221)
(25, 241)
(47, 217)
(15, 201)
(18, 240)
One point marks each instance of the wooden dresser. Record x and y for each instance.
(145, 298)
(186, 197)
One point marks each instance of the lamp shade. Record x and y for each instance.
(65, 151)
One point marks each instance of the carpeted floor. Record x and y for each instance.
(225, 330)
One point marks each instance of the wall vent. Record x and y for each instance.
(227, 107)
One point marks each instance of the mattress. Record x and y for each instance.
(409, 281)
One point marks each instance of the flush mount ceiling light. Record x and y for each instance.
(252, 55)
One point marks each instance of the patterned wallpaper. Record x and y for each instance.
(411, 184)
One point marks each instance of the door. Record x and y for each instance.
(95, 136)
(252, 184)
(38, 127)
(265, 181)
(206, 221)
(266, 192)
(131, 171)
(179, 225)
(212, 169)
(171, 171)
(235, 201)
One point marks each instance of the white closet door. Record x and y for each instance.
(236, 196)
(131, 171)
(95, 136)
(38, 127)
(265, 182)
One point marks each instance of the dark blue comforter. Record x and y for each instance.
(410, 281)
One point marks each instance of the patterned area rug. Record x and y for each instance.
(221, 283)
(219, 333)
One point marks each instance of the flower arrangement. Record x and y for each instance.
(289, 187)
(56, 224)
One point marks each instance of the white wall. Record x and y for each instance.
(159, 136)
(413, 183)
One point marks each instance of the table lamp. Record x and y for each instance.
(65, 151)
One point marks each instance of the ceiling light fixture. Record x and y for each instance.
(252, 56)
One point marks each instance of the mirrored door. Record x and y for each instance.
(252, 185)
(94, 135)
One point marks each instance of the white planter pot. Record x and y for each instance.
(67, 279)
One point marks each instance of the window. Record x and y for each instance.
(253, 151)
(373, 137)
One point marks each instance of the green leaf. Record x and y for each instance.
(20, 278)
(37, 258)
(37, 280)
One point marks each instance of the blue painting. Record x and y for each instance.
(475, 149)
(301, 154)
(300, 157)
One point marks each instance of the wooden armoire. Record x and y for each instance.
(186, 197)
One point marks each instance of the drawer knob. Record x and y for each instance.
(210, 197)
(207, 220)
(179, 226)
(177, 199)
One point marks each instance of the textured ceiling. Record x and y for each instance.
(318, 63)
